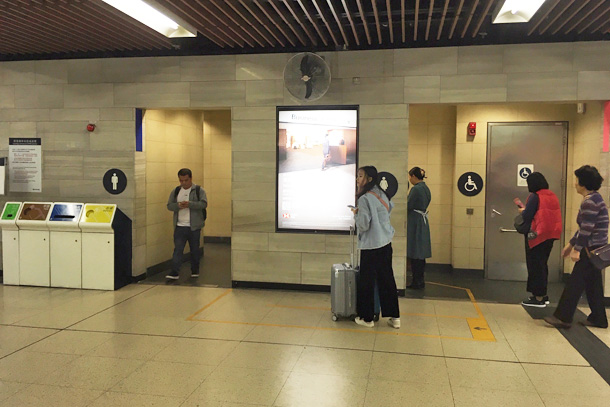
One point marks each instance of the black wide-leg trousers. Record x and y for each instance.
(585, 277)
(376, 264)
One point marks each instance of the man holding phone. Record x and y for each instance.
(188, 202)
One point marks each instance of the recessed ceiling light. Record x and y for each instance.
(157, 17)
(515, 11)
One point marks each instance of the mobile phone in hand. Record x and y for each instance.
(518, 202)
(351, 206)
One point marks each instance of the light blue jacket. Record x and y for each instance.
(373, 220)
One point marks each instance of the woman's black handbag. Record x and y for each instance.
(521, 226)
(600, 257)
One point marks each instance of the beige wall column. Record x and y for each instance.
(217, 171)
(432, 147)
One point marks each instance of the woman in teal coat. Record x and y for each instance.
(418, 228)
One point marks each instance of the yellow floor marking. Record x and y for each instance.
(478, 326)
(328, 309)
(480, 330)
(209, 305)
(321, 328)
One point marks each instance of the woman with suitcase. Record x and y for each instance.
(375, 233)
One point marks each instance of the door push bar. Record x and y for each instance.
(503, 230)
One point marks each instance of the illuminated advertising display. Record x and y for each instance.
(317, 154)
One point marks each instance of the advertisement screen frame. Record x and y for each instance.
(279, 109)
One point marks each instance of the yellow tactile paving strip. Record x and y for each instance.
(479, 328)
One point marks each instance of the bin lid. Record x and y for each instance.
(35, 211)
(98, 213)
(11, 209)
(66, 212)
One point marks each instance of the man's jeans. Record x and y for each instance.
(182, 234)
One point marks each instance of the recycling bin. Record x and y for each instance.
(34, 267)
(66, 246)
(106, 247)
(10, 243)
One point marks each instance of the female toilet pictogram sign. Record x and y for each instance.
(115, 181)
(470, 183)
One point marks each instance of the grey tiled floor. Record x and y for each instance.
(156, 345)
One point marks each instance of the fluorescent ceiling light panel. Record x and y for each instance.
(155, 16)
(515, 11)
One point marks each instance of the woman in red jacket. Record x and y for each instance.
(543, 212)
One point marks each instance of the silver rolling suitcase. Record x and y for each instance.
(343, 285)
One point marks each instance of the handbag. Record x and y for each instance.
(600, 257)
(521, 226)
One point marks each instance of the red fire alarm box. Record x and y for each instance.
(472, 129)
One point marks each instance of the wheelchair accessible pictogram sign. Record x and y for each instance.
(470, 184)
(523, 171)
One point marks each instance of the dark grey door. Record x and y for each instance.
(514, 151)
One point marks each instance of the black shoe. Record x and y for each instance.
(545, 299)
(586, 322)
(414, 286)
(557, 323)
(194, 275)
(375, 317)
(533, 302)
(172, 276)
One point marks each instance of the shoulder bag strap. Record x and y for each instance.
(380, 200)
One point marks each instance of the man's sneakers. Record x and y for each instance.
(362, 322)
(194, 275)
(172, 276)
(394, 323)
(533, 302)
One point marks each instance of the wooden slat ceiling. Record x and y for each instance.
(43, 29)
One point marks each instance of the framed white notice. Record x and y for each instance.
(25, 164)
(523, 171)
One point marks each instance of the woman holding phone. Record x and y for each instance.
(543, 213)
(375, 233)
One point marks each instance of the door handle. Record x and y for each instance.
(503, 230)
(496, 212)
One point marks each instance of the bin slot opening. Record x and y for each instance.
(64, 216)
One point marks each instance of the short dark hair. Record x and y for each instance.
(536, 182)
(419, 173)
(185, 171)
(589, 177)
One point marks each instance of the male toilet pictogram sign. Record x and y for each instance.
(115, 181)
(470, 183)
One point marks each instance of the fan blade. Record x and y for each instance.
(305, 65)
(309, 90)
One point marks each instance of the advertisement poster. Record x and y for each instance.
(25, 164)
(317, 158)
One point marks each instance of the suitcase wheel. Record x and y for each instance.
(335, 317)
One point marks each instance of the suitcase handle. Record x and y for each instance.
(352, 234)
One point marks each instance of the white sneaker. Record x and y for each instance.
(394, 323)
(362, 322)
